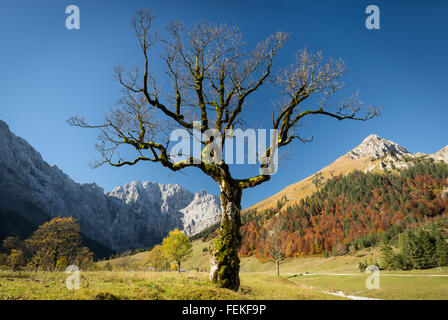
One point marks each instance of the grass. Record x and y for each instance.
(269, 287)
(391, 287)
(258, 280)
(144, 285)
(141, 285)
(200, 259)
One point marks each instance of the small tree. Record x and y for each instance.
(55, 239)
(274, 242)
(15, 259)
(157, 259)
(317, 180)
(108, 266)
(428, 244)
(416, 252)
(281, 202)
(441, 250)
(176, 247)
(387, 255)
(11, 243)
(84, 258)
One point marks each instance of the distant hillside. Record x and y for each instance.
(356, 210)
(377, 188)
(374, 154)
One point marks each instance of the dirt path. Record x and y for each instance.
(353, 297)
(341, 294)
(382, 274)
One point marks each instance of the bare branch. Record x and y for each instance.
(213, 76)
(312, 76)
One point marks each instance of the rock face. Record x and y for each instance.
(441, 155)
(200, 213)
(173, 204)
(376, 147)
(392, 155)
(136, 215)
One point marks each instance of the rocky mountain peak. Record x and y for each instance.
(442, 154)
(136, 215)
(204, 207)
(3, 125)
(376, 147)
(200, 194)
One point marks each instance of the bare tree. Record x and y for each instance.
(274, 240)
(212, 78)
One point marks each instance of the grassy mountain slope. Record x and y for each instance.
(356, 210)
(299, 190)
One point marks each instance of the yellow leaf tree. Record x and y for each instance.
(157, 259)
(15, 259)
(176, 247)
(55, 239)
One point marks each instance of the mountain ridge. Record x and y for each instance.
(103, 217)
(375, 146)
(372, 154)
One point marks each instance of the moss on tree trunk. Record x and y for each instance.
(225, 263)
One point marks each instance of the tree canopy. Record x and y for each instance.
(176, 246)
(213, 75)
(53, 246)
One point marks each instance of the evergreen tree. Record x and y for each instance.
(387, 255)
(428, 247)
(441, 249)
(416, 253)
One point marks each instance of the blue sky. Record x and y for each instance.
(49, 74)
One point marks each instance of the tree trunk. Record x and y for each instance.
(178, 266)
(277, 265)
(224, 262)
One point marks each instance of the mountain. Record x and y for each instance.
(376, 147)
(170, 205)
(372, 155)
(355, 211)
(376, 191)
(441, 154)
(199, 211)
(136, 215)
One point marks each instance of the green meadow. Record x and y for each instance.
(304, 278)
